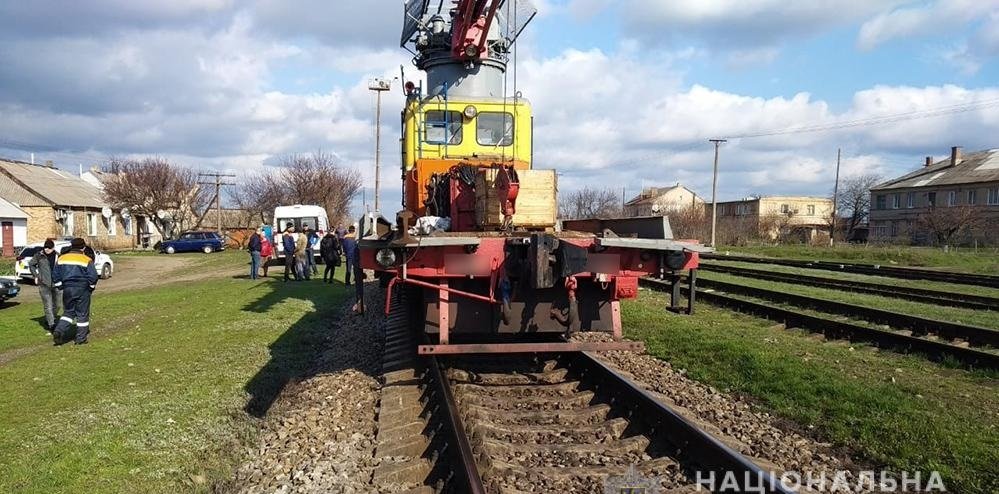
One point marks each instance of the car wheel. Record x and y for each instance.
(170, 250)
(207, 249)
(106, 272)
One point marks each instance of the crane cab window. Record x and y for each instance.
(442, 127)
(494, 129)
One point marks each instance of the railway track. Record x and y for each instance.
(871, 269)
(936, 297)
(730, 295)
(535, 423)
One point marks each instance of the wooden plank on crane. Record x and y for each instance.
(537, 202)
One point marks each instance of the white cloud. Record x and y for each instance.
(923, 20)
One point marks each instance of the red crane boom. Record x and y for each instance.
(470, 30)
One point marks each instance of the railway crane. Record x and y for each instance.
(477, 250)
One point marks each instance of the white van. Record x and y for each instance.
(298, 215)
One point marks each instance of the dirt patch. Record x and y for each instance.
(145, 271)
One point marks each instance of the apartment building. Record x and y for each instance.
(957, 196)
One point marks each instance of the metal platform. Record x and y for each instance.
(480, 348)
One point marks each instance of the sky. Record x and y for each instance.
(626, 93)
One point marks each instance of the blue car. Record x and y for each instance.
(206, 242)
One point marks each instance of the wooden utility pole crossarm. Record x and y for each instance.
(218, 183)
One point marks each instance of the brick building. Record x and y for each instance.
(59, 204)
(657, 201)
(960, 192)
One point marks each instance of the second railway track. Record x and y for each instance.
(937, 297)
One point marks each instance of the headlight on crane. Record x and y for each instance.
(386, 258)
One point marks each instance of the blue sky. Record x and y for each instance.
(626, 92)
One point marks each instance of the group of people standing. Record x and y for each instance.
(335, 248)
(69, 277)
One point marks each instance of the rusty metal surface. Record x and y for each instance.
(559, 347)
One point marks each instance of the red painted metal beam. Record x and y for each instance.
(596, 346)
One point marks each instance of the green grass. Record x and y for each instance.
(984, 261)
(166, 391)
(898, 411)
(6, 266)
(982, 318)
(884, 280)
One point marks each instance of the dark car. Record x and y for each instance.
(8, 289)
(206, 242)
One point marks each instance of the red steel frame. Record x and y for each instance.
(433, 267)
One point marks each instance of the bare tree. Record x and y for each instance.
(300, 179)
(154, 187)
(854, 203)
(590, 203)
(945, 224)
(689, 222)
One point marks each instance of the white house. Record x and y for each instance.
(657, 201)
(13, 228)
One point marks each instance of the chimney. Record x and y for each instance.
(929, 160)
(955, 155)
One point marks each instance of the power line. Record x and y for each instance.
(879, 120)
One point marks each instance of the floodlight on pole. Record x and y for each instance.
(379, 86)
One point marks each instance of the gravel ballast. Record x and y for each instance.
(320, 434)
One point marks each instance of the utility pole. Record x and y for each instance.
(218, 193)
(379, 86)
(714, 191)
(832, 229)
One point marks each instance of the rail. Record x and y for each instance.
(951, 299)
(870, 269)
(846, 330)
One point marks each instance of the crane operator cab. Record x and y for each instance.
(442, 136)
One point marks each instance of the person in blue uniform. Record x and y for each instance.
(76, 275)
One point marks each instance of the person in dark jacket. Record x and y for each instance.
(254, 246)
(311, 239)
(350, 252)
(329, 250)
(42, 264)
(288, 242)
(75, 273)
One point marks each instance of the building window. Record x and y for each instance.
(67, 225)
(811, 210)
(127, 224)
(784, 208)
(112, 226)
(972, 197)
(881, 230)
(881, 202)
(896, 201)
(993, 199)
(931, 199)
(910, 200)
(92, 224)
(894, 228)
(952, 198)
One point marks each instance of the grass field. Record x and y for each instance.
(895, 410)
(163, 398)
(984, 260)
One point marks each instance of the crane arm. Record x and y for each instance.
(470, 27)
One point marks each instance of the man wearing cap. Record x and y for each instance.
(75, 273)
(42, 264)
